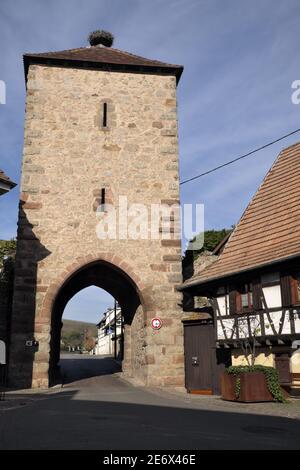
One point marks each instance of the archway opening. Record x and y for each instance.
(123, 298)
(90, 345)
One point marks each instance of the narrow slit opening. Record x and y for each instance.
(102, 196)
(104, 121)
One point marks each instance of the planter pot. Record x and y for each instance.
(253, 387)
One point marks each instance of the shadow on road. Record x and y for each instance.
(67, 420)
(75, 367)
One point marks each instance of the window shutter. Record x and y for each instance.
(286, 291)
(257, 293)
(232, 301)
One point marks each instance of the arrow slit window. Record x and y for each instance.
(104, 115)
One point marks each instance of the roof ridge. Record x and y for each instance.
(289, 147)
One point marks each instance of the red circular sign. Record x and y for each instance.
(156, 323)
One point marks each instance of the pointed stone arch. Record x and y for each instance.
(104, 270)
(83, 261)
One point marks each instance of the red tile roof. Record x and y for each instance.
(103, 56)
(269, 229)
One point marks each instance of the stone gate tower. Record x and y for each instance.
(100, 123)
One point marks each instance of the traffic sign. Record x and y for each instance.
(156, 323)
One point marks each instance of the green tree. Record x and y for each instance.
(7, 250)
(211, 240)
(89, 342)
(72, 339)
(7, 261)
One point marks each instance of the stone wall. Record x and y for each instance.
(7, 255)
(6, 293)
(68, 158)
(4, 313)
(135, 359)
(191, 267)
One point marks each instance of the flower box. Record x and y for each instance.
(252, 388)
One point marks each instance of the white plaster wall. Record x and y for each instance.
(273, 299)
(261, 358)
(297, 322)
(222, 304)
(104, 345)
(228, 324)
(275, 319)
(295, 362)
(273, 296)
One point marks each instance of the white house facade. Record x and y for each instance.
(108, 333)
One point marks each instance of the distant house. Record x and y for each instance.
(110, 330)
(254, 280)
(5, 183)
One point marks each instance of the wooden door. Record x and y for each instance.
(200, 358)
(282, 364)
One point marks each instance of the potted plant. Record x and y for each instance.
(250, 383)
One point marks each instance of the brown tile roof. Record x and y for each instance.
(103, 56)
(5, 179)
(269, 229)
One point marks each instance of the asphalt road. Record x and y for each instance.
(105, 412)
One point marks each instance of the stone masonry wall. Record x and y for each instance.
(6, 292)
(68, 158)
(138, 346)
(3, 318)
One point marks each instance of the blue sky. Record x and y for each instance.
(240, 59)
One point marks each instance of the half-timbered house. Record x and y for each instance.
(254, 284)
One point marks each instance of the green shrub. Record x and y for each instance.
(7, 249)
(7, 261)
